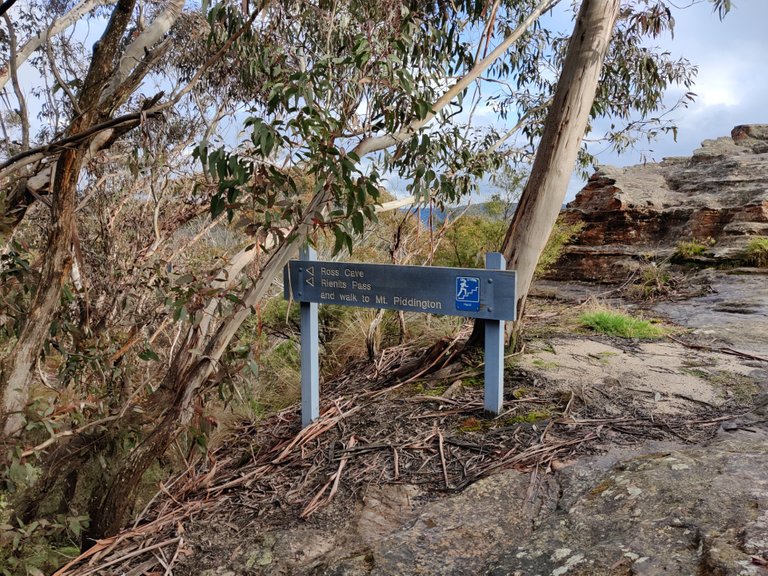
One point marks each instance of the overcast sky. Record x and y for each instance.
(731, 86)
(732, 83)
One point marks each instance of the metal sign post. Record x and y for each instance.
(494, 347)
(310, 361)
(489, 295)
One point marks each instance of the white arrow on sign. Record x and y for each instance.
(310, 276)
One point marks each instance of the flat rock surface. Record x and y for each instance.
(684, 511)
(735, 312)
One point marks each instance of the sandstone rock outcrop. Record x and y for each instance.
(718, 197)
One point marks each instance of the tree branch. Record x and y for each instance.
(77, 12)
(60, 79)
(5, 6)
(13, 66)
(374, 144)
(132, 119)
(135, 52)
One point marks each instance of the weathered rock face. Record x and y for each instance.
(691, 511)
(666, 510)
(631, 214)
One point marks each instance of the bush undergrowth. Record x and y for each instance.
(757, 251)
(619, 324)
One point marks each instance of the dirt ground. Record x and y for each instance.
(569, 394)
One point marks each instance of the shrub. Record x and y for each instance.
(619, 324)
(470, 237)
(561, 235)
(654, 281)
(690, 249)
(467, 241)
(757, 251)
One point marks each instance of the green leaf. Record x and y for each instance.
(358, 223)
(217, 205)
(148, 354)
(180, 314)
(340, 237)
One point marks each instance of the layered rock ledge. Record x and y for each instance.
(717, 198)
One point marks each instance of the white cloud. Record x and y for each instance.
(732, 81)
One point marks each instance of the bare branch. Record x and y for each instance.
(374, 144)
(22, 101)
(5, 6)
(60, 79)
(77, 12)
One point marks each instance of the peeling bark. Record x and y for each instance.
(136, 51)
(16, 372)
(556, 155)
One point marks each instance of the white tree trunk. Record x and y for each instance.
(135, 52)
(564, 129)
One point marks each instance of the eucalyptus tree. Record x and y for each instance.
(563, 131)
(114, 73)
(584, 90)
(332, 97)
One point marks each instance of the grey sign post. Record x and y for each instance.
(494, 347)
(310, 360)
(489, 295)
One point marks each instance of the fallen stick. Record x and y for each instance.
(316, 502)
(725, 350)
(128, 556)
(442, 459)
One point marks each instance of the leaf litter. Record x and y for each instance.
(380, 426)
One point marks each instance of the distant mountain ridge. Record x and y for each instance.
(479, 209)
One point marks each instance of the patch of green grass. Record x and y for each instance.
(690, 249)
(473, 382)
(415, 388)
(544, 365)
(697, 372)
(757, 251)
(529, 417)
(604, 357)
(620, 324)
(436, 391)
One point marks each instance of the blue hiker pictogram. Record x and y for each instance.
(467, 293)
